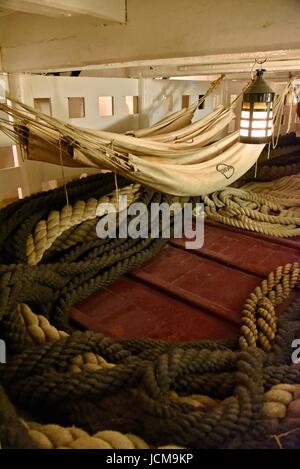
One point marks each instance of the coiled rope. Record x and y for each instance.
(269, 208)
(76, 389)
(275, 163)
(47, 231)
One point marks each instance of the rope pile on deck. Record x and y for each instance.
(265, 199)
(64, 388)
(275, 162)
(271, 208)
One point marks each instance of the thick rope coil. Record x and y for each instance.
(258, 327)
(38, 327)
(272, 209)
(281, 161)
(281, 408)
(258, 313)
(47, 231)
(40, 330)
(57, 437)
(84, 235)
(99, 392)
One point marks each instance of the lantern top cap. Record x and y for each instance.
(260, 72)
(259, 85)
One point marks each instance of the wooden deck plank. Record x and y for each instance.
(129, 308)
(242, 250)
(186, 295)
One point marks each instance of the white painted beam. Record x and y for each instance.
(270, 66)
(289, 56)
(108, 10)
(231, 64)
(237, 62)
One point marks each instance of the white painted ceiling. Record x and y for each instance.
(150, 38)
(108, 10)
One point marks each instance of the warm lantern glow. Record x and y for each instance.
(256, 124)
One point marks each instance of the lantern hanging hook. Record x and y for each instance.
(258, 61)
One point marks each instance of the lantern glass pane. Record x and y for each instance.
(244, 132)
(258, 133)
(245, 114)
(259, 124)
(260, 115)
(245, 124)
(270, 131)
(246, 105)
(270, 114)
(263, 106)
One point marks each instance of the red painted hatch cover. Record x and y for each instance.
(185, 295)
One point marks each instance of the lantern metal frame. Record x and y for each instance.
(256, 123)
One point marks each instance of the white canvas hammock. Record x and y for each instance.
(199, 178)
(189, 161)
